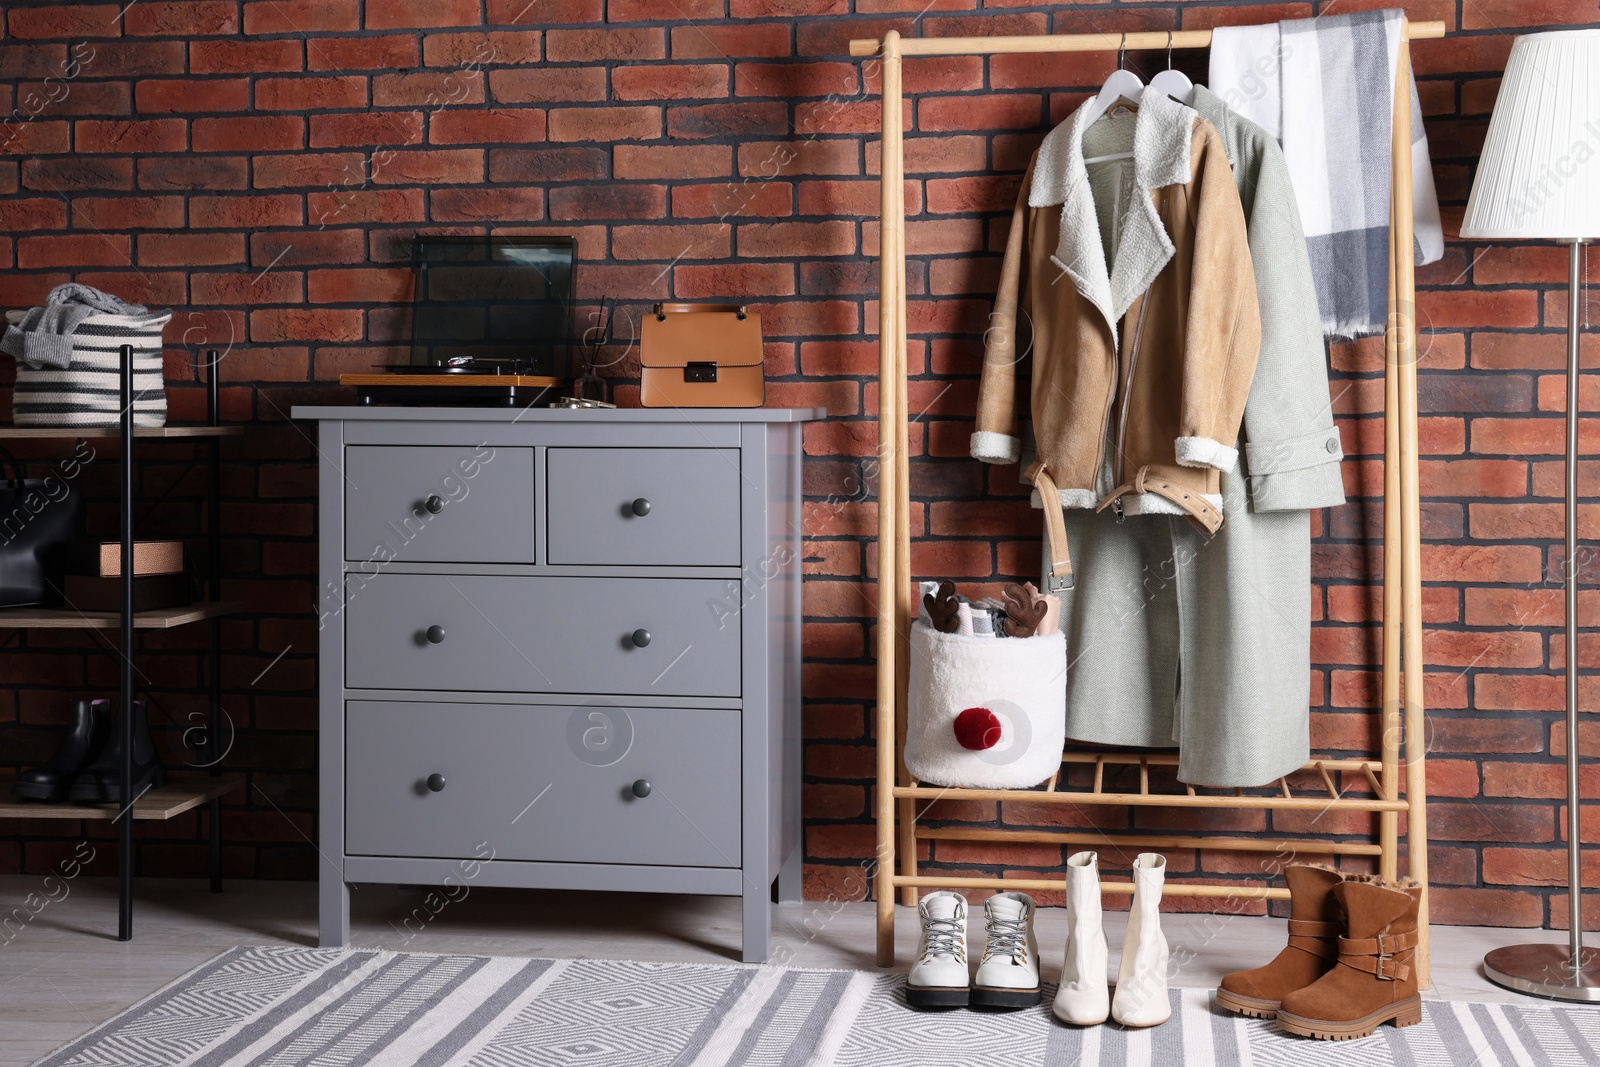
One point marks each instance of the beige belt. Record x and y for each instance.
(1195, 506)
(1055, 530)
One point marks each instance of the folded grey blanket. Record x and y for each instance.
(44, 336)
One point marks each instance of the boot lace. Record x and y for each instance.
(1007, 938)
(943, 937)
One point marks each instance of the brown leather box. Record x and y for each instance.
(701, 356)
(104, 558)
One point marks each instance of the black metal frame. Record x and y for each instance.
(126, 642)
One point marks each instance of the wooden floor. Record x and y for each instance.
(63, 972)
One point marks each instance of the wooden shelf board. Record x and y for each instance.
(1310, 802)
(464, 381)
(22, 433)
(176, 797)
(33, 618)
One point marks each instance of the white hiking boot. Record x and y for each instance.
(1008, 974)
(939, 978)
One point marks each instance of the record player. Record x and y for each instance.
(490, 325)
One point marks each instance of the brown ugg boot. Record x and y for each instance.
(1375, 980)
(1315, 924)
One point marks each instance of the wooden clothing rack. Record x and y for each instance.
(1402, 696)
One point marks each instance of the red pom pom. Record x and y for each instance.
(978, 728)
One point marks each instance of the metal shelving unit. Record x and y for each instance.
(182, 794)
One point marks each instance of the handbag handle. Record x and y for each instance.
(664, 309)
(8, 460)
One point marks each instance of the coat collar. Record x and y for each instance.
(1163, 134)
(1211, 107)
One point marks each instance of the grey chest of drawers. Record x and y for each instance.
(560, 649)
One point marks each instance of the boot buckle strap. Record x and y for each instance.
(1380, 945)
(1385, 968)
(1376, 955)
(1385, 960)
(1314, 928)
(1388, 970)
(1315, 945)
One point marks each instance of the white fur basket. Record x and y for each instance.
(1019, 681)
(88, 392)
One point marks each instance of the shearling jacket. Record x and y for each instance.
(1136, 279)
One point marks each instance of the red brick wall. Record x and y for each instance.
(259, 166)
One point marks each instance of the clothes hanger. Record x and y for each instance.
(1174, 83)
(1123, 86)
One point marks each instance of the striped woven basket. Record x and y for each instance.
(88, 392)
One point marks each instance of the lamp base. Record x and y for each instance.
(1545, 971)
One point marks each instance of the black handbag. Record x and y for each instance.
(38, 516)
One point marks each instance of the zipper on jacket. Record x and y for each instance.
(1105, 426)
(1133, 363)
(1127, 388)
(1116, 366)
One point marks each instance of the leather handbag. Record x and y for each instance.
(38, 517)
(701, 356)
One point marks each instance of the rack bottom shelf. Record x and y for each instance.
(1047, 885)
(176, 797)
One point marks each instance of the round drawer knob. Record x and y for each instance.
(641, 507)
(436, 783)
(640, 638)
(435, 634)
(641, 789)
(434, 505)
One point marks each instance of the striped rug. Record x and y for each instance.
(291, 1007)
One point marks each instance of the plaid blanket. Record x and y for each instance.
(1325, 87)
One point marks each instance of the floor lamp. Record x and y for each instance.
(1539, 179)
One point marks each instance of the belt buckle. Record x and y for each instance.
(1057, 583)
(1385, 957)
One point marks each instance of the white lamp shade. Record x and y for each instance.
(1539, 176)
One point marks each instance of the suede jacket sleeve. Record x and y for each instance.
(1223, 327)
(997, 438)
(1291, 446)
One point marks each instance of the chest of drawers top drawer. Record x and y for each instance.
(439, 503)
(665, 507)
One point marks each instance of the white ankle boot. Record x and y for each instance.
(1083, 998)
(1141, 998)
(939, 977)
(1008, 974)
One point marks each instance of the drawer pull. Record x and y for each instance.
(641, 789)
(436, 783)
(435, 634)
(434, 505)
(640, 507)
(640, 638)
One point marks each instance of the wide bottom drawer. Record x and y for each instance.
(577, 784)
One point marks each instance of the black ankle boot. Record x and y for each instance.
(86, 737)
(101, 781)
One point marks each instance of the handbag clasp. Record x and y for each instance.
(700, 372)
